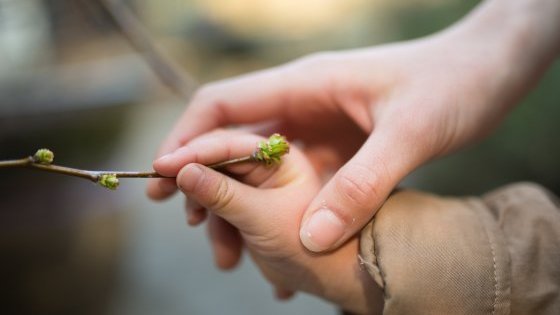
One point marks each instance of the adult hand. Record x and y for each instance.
(373, 115)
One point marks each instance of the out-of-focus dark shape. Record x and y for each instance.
(168, 71)
(64, 85)
(78, 86)
(216, 39)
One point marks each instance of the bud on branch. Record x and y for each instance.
(268, 152)
(109, 181)
(43, 156)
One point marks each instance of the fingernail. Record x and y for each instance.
(164, 158)
(322, 230)
(188, 177)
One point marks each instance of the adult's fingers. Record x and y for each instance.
(252, 98)
(258, 97)
(350, 199)
(226, 242)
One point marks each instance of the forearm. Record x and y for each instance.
(531, 25)
(521, 38)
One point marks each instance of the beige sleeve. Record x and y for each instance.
(499, 254)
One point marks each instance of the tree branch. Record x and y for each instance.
(267, 152)
(31, 162)
(164, 67)
(101, 177)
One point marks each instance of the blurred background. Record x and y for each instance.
(72, 80)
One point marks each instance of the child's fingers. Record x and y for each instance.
(196, 213)
(161, 188)
(283, 294)
(226, 242)
(238, 203)
(223, 145)
(216, 146)
(212, 148)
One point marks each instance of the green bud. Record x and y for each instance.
(270, 152)
(109, 181)
(43, 156)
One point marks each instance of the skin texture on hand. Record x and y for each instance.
(260, 208)
(367, 118)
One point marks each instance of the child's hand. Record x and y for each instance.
(262, 209)
(395, 107)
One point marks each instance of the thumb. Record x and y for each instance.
(350, 199)
(222, 195)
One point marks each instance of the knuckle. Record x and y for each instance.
(358, 186)
(204, 92)
(223, 196)
(208, 101)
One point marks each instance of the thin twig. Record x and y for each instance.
(94, 176)
(91, 175)
(248, 158)
(164, 67)
(267, 152)
(16, 163)
(30, 162)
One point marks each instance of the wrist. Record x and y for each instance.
(516, 40)
(342, 281)
(528, 29)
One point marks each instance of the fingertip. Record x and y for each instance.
(171, 163)
(226, 243)
(195, 216)
(229, 263)
(283, 294)
(348, 201)
(322, 230)
(195, 221)
(161, 188)
(221, 195)
(189, 177)
(161, 164)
